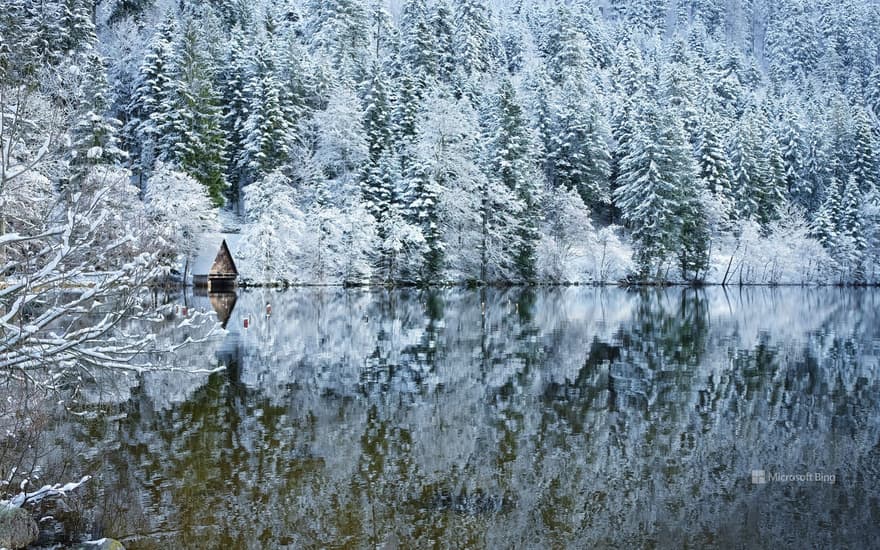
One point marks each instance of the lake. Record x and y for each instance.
(498, 418)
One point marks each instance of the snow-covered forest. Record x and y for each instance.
(432, 141)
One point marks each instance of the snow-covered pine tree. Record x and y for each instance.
(657, 186)
(192, 137)
(473, 38)
(679, 87)
(376, 187)
(511, 164)
(865, 165)
(715, 169)
(825, 225)
(793, 158)
(151, 106)
(441, 27)
(646, 15)
(236, 106)
(418, 50)
(424, 209)
(94, 137)
(873, 92)
(749, 168)
(565, 48)
(406, 109)
(817, 171)
(769, 193)
(75, 26)
(339, 28)
(270, 120)
(579, 153)
(852, 227)
(793, 42)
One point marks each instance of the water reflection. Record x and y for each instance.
(514, 418)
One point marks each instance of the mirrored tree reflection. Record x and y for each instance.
(504, 418)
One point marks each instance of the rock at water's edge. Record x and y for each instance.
(17, 528)
(103, 544)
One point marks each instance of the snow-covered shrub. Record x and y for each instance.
(181, 209)
(275, 227)
(341, 146)
(337, 244)
(572, 250)
(402, 246)
(567, 235)
(611, 259)
(785, 254)
(129, 230)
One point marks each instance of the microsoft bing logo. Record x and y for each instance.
(761, 477)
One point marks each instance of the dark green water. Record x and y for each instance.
(561, 418)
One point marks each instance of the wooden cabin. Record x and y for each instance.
(222, 276)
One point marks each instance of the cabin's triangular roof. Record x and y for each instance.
(223, 263)
(208, 245)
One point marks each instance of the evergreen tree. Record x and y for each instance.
(192, 135)
(511, 164)
(656, 192)
(793, 158)
(816, 173)
(852, 227)
(473, 38)
(710, 13)
(441, 27)
(406, 110)
(424, 210)
(769, 191)
(749, 168)
(340, 28)
(715, 169)
(94, 138)
(418, 51)
(75, 27)
(865, 165)
(851, 220)
(236, 105)
(793, 42)
(270, 120)
(566, 48)
(579, 151)
(873, 92)
(152, 104)
(646, 15)
(827, 218)
(376, 185)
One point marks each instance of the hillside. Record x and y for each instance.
(458, 140)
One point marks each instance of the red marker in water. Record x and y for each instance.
(246, 322)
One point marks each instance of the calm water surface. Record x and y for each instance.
(523, 418)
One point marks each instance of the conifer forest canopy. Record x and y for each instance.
(434, 141)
